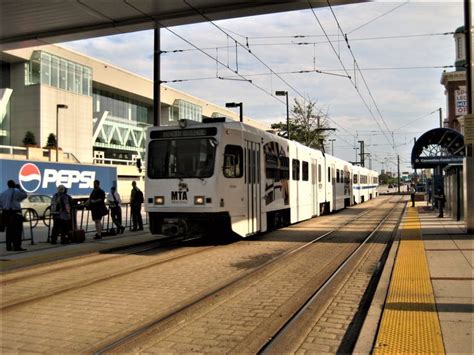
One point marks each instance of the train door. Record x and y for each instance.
(252, 181)
(314, 187)
(333, 186)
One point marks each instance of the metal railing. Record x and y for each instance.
(80, 213)
(82, 219)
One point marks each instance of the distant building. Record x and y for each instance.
(108, 108)
(455, 85)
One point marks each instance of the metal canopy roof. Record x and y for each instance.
(26, 23)
(438, 147)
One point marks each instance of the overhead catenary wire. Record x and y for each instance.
(310, 43)
(378, 17)
(345, 69)
(243, 46)
(206, 54)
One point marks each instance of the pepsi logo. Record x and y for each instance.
(30, 177)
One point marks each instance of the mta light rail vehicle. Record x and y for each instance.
(222, 176)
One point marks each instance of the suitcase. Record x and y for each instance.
(77, 236)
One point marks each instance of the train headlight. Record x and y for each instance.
(159, 200)
(199, 200)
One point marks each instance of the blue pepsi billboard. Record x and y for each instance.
(44, 177)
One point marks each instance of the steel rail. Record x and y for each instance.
(149, 325)
(267, 348)
(101, 279)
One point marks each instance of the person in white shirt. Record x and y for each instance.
(10, 203)
(115, 203)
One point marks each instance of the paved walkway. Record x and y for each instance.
(443, 248)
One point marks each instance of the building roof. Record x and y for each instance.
(28, 23)
(116, 79)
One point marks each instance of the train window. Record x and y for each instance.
(233, 161)
(329, 174)
(181, 158)
(296, 169)
(305, 171)
(337, 175)
(271, 166)
(319, 172)
(284, 168)
(355, 178)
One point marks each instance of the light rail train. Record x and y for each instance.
(204, 178)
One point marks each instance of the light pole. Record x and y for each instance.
(240, 105)
(285, 93)
(332, 146)
(58, 106)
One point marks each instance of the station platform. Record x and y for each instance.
(424, 300)
(43, 252)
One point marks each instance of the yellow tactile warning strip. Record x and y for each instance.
(410, 321)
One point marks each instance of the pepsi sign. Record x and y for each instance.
(45, 177)
(29, 177)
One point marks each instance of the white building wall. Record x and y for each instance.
(75, 122)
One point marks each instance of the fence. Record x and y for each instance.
(80, 213)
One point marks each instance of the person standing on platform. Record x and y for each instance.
(136, 200)
(412, 195)
(10, 203)
(115, 203)
(97, 207)
(61, 212)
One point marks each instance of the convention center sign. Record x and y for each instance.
(438, 147)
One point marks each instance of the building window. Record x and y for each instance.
(48, 69)
(185, 110)
(319, 172)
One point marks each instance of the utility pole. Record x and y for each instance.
(362, 154)
(440, 117)
(332, 146)
(156, 76)
(398, 173)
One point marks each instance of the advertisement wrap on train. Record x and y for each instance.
(44, 177)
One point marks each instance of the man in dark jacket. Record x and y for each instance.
(136, 200)
(61, 212)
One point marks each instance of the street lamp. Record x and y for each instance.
(285, 93)
(332, 146)
(58, 106)
(240, 105)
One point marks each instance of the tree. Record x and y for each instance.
(29, 139)
(306, 122)
(51, 142)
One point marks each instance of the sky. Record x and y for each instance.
(400, 47)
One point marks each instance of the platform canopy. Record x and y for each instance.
(26, 23)
(438, 147)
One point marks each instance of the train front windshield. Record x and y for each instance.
(181, 158)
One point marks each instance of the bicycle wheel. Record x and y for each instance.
(47, 216)
(30, 216)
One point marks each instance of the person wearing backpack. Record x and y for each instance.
(136, 200)
(61, 212)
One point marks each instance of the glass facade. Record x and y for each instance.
(121, 107)
(182, 109)
(48, 69)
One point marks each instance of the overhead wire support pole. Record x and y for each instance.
(156, 76)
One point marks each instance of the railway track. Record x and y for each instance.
(131, 341)
(83, 263)
(124, 308)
